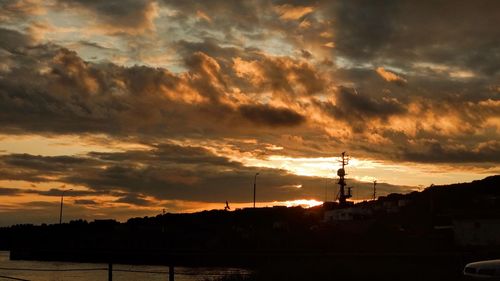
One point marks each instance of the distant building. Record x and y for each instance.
(329, 205)
(403, 202)
(391, 207)
(347, 214)
(477, 232)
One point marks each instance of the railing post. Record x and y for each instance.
(110, 272)
(170, 273)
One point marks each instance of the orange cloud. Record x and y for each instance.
(389, 76)
(203, 16)
(289, 12)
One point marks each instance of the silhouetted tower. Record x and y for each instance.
(341, 173)
(374, 189)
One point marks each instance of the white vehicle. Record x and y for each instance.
(483, 269)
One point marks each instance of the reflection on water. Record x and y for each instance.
(181, 273)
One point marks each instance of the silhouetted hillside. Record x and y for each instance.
(424, 222)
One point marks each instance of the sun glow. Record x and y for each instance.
(306, 203)
(409, 174)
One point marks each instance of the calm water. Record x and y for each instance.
(181, 273)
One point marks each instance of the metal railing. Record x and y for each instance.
(109, 269)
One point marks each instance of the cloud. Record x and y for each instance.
(118, 16)
(207, 89)
(289, 12)
(356, 108)
(267, 115)
(84, 202)
(228, 92)
(134, 199)
(61, 93)
(401, 32)
(12, 40)
(12, 10)
(9, 191)
(94, 45)
(167, 172)
(390, 76)
(237, 71)
(55, 192)
(434, 152)
(241, 15)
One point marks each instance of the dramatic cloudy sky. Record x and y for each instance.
(144, 105)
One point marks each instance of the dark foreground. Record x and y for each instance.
(294, 265)
(427, 235)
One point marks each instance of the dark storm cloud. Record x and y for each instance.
(434, 152)
(50, 163)
(12, 40)
(10, 191)
(356, 108)
(461, 33)
(84, 202)
(41, 204)
(134, 199)
(352, 103)
(68, 193)
(363, 27)
(94, 45)
(51, 192)
(28, 167)
(271, 116)
(124, 15)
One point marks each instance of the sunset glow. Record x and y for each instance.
(145, 105)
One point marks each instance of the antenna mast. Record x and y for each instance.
(341, 173)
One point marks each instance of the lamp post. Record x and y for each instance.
(254, 188)
(60, 210)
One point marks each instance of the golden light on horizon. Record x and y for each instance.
(162, 103)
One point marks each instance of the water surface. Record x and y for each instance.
(181, 273)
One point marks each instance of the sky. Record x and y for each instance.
(138, 106)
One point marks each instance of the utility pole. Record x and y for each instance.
(60, 210)
(326, 190)
(374, 190)
(254, 188)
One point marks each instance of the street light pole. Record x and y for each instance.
(60, 210)
(254, 188)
